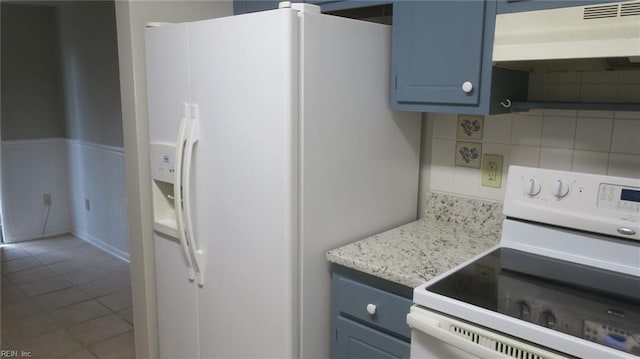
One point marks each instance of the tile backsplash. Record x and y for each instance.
(602, 142)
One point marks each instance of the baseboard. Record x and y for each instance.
(29, 237)
(102, 245)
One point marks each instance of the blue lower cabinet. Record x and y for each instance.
(369, 317)
(355, 340)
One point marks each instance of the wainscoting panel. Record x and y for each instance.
(30, 169)
(98, 196)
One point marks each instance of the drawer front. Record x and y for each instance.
(359, 341)
(355, 299)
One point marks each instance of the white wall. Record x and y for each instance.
(131, 17)
(602, 142)
(96, 173)
(30, 169)
(70, 170)
(73, 43)
(88, 46)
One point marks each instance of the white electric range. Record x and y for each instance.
(563, 282)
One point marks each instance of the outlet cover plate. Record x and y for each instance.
(492, 170)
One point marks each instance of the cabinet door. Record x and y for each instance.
(437, 47)
(246, 6)
(358, 341)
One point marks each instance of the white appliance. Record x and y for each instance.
(606, 30)
(564, 281)
(286, 148)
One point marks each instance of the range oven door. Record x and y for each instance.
(436, 336)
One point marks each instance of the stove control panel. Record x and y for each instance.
(619, 198)
(590, 202)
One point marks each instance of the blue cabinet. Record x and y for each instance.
(246, 6)
(359, 341)
(369, 317)
(441, 59)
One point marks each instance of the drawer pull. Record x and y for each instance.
(371, 309)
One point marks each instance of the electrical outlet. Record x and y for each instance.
(46, 199)
(87, 204)
(492, 170)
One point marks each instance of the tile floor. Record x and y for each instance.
(64, 298)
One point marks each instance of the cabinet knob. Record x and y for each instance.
(371, 309)
(467, 87)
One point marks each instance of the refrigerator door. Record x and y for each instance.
(167, 50)
(244, 80)
(359, 161)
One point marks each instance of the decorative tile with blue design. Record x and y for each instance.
(470, 127)
(468, 154)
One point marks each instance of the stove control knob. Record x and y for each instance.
(525, 311)
(531, 186)
(547, 319)
(559, 187)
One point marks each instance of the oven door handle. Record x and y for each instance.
(476, 341)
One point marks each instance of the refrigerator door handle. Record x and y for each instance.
(192, 140)
(177, 194)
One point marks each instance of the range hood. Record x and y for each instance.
(593, 37)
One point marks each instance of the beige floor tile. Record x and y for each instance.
(44, 286)
(16, 330)
(99, 329)
(11, 251)
(86, 275)
(69, 254)
(55, 344)
(20, 264)
(107, 286)
(111, 264)
(35, 312)
(61, 298)
(80, 354)
(30, 275)
(20, 309)
(71, 265)
(80, 312)
(119, 347)
(12, 294)
(127, 315)
(117, 301)
(51, 244)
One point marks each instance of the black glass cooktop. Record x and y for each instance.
(590, 303)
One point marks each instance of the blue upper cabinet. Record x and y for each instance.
(245, 6)
(441, 59)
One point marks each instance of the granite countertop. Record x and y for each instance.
(453, 230)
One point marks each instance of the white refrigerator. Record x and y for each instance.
(272, 142)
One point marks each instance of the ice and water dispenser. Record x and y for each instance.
(163, 178)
